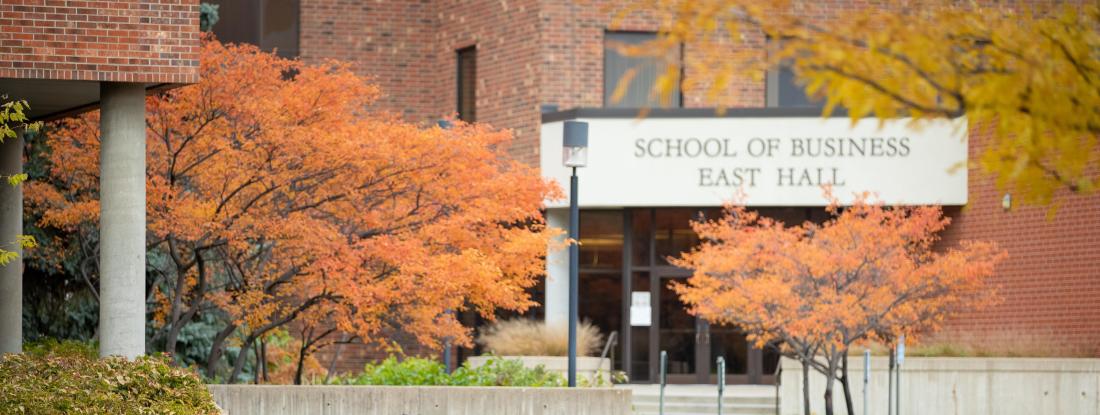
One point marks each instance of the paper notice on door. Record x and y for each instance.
(640, 311)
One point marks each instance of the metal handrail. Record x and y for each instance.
(608, 346)
(664, 375)
(721, 381)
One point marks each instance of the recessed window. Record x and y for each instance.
(646, 69)
(270, 24)
(280, 27)
(784, 90)
(467, 84)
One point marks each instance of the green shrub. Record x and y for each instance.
(62, 348)
(505, 372)
(62, 378)
(409, 372)
(428, 372)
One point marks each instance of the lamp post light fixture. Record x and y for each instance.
(574, 154)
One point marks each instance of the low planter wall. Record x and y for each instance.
(964, 385)
(587, 366)
(417, 400)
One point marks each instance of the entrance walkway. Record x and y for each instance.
(703, 399)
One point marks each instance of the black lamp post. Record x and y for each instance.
(574, 154)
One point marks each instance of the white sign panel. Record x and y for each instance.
(640, 311)
(773, 161)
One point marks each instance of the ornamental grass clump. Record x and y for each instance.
(524, 337)
(66, 380)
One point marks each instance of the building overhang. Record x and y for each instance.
(757, 157)
(50, 99)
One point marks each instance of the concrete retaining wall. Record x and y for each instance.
(948, 386)
(418, 400)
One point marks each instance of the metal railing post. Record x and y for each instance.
(664, 374)
(866, 380)
(721, 381)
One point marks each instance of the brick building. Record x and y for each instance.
(64, 57)
(529, 65)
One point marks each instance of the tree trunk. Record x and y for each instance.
(171, 339)
(302, 353)
(263, 358)
(217, 346)
(259, 362)
(890, 383)
(845, 384)
(830, 381)
(241, 357)
(805, 387)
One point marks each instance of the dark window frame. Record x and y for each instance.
(467, 52)
(247, 21)
(678, 102)
(773, 86)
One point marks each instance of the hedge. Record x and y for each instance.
(66, 379)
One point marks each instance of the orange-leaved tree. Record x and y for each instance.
(868, 273)
(278, 199)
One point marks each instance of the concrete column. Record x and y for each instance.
(122, 220)
(557, 273)
(11, 226)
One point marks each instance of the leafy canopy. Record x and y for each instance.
(1028, 76)
(868, 273)
(278, 198)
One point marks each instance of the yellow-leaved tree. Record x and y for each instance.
(1028, 75)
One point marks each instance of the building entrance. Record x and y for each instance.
(625, 270)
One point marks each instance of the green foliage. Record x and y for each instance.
(57, 305)
(505, 372)
(60, 378)
(58, 296)
(13, 116)
(208, 16)
(62, 348)
(427, 372)
(412, 371)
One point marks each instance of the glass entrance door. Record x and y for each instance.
(693, 344)
(653, 317)
(684, 337)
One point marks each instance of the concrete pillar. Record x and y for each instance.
(557, 273)
(122, 220)
(11, 226)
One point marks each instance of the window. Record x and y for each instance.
(784, 90)
(646, 68)
(467, 84)
(279, 30)
(269, 24)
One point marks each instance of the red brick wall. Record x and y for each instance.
(152, 41)
(1050, 284)
(389, 41)
(507, 39)
(408, 48)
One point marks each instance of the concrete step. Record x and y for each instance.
(727, 400)
(703, 400)
(703, 408)
(711, 412)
